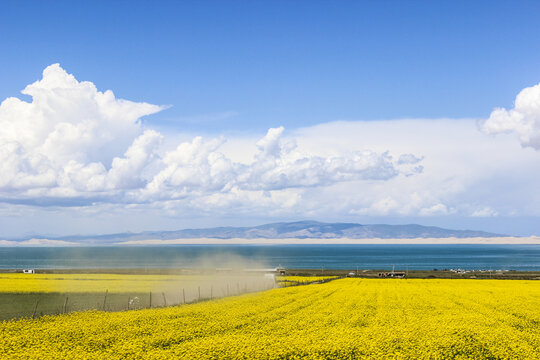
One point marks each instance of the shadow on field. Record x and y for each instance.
(34, 305)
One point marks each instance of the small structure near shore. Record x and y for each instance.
(392, 275)
(28, 271)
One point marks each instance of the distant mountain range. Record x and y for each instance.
(299, 229)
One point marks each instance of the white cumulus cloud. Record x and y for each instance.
(64, 142)
(199, 167)
(74, 142)
(73, 145)
(523, 119)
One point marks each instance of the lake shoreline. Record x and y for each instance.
(531, 240)
(340, 241)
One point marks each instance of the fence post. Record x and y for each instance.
(65, 305)
(211, 292)
(164, 298)
(184, 295)
(129, 299)
(35, 308)
(199, 293)
(105, 299)
(150, 299)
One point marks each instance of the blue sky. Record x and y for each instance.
(288, 62)
(229, 71)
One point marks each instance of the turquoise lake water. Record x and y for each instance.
(426, 257)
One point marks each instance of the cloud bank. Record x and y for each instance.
(78, 160)
(73, 144)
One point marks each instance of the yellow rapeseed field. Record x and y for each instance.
(115, 283)
(341, 319)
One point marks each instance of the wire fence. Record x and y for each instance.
(35, 305)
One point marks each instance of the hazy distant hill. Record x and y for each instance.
(299, 229)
